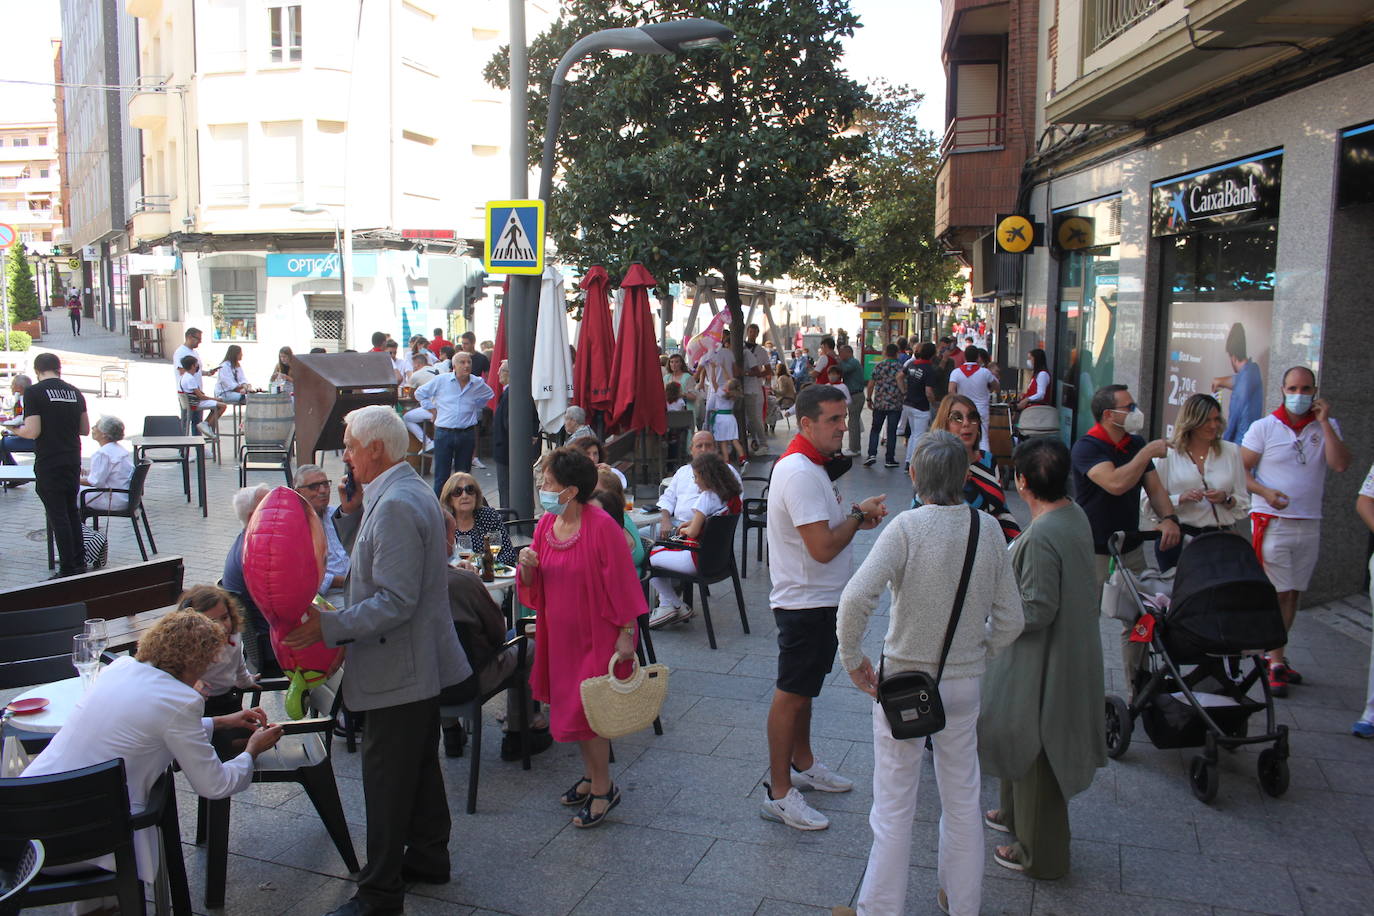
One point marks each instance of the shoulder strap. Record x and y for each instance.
(963, 589)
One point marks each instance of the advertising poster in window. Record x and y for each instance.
(1221, 349)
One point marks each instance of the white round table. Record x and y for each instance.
(62, 697)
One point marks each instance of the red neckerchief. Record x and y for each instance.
(968, 372)
(1098, 432)
(1297, 425)
(800, 445)
(1034, 387)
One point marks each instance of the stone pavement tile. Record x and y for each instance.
(1054, 898)
(624, 895)
(1327, 893)
(848, 834)
(845, 699)
(1214, 880)
(626, 849)
(1330, 847)
(267, 833)
(1326, 719)
(522, 887)
(335, 893)
(723, 711)
(681, 735)
(520, 833)
(312, 848)
(808, 878)
(1301, 805)
(1001, 896)
(772, 907)
(751, 743)
(350, 795)
(730, 819)
(273, 794)
(763, 665)
(1345, 776)
(252, 887)
(1346, 747)
(1099, 818)
(706, 776)
(711, 684)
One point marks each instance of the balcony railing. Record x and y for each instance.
(1109, 18)
(974, 132)
(153, 203)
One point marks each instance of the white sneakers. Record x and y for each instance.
(793, 811)
(207, 430)
(477, 463)
(663, 614)
(821, 778)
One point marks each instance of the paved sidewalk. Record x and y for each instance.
(687, 839)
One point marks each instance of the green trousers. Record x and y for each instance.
(1037, 814)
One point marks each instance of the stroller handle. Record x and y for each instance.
(1118, 538)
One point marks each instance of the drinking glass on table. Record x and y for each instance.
(99, 635)
(85, 659)
(462, 547)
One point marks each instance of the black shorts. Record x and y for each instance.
(807, 644)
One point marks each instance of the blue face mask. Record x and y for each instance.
(548, 500)
(1297, 404)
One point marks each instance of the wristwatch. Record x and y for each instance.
(1172, 517)
(858, 515)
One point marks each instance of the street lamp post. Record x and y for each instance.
(655, 38)
(315, 209)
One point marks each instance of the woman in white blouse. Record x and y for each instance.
(111, 467)
(1203, 472)
(231, 384)
(148, 712)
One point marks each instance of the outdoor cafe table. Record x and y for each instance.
(182, 444)
(16, 473)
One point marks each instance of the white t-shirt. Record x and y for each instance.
(1367, 489)
(681, 496)
(189, 382)
(977, 387)
(800, 493)
(1280, 466)
(228, 378)
(753, 385)
(182, 352)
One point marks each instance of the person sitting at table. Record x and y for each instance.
(10, 444)
(419, 371)
(719, 495)
(223, 682)
(111, 467)
(591, 446)
(611, 495)
(483, 632)
(312, 483)
(281, 372)
(417, 417)
(418, 347)
(462, 498)
(145, 710)
(231, 383)
(190, 382)
(575, 424)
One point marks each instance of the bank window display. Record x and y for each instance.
(234, 303)
(1218, 235)
(1087, 239)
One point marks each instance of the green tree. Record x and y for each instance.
(892, 250)
(735, 160)
(23, 298)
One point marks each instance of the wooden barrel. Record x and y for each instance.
(999, 435)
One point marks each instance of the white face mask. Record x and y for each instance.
(1030, 364)
(1133, 422)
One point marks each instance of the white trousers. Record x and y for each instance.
(916, 422)
(673, 561)
(896, 779)
(1369, 706)
(413, 418)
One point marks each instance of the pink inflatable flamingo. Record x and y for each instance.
(283, 563)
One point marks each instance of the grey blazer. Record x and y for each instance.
(402, 647)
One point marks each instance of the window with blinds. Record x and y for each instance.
(234, 303)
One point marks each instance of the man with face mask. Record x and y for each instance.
(1286, 455)
(1110, 465)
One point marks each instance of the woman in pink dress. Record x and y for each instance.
(578, 575)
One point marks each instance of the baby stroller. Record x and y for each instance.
(1222, 610)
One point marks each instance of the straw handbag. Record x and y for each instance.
(615, 707)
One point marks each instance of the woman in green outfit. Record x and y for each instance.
(1042, 731)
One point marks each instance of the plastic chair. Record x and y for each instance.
(301, 756)
(754, 513)
(20, 862)
(133, 511)
(469, 712)
(715, 563)
(84, 814)
(169, 426)
(269, 430)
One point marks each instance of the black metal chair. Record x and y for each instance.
(133, 511)
(35, 648)
(469, 712)
(754, 516)
(301, 756)
(20, 862)
(84, 814)
(169, 426)
(715, 563)
(269, 432)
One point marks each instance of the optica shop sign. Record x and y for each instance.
(325, 266)
(1233, 194)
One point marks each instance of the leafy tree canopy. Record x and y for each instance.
(23, 298)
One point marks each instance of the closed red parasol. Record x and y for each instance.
(639, 399)
(498, 356)
(595, 345)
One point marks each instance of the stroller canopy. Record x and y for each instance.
(1223, 603)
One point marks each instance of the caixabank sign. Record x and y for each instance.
(1219, 197)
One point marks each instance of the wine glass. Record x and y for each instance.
(98, 635)
(462, 547)
(85, 659)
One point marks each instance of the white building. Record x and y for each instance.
(29, 181)
(372, 117)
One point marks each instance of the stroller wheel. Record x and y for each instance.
(1119, 726)
(1204, 778)
(1273, 772)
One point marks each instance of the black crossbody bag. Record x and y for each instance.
(911, 699)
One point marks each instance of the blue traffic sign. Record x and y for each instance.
(515, 237)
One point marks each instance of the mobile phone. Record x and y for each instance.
(350, 485)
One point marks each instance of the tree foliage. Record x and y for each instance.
(892, 248)
(23, 298)
(737, 159)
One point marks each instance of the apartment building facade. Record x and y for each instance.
(1202, 171)
(282, 141)
(30, 181)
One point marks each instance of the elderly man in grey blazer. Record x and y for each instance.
(402, 650)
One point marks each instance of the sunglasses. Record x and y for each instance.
(467, 489)
(320, 485)
(956, 417)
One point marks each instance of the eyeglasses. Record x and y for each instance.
(318, 485)
(469, 489)
(1298, 447)
(1127, 409)
(955, 417)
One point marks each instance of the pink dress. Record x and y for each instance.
(584, 590)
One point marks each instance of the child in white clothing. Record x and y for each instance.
(720, 495)
(224, 681)
(720, 408)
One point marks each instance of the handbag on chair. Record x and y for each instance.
(615, 708)
(911, 699)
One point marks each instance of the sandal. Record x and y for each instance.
(993, 819)
(586, 819)
(1008, 857)
(574, 797)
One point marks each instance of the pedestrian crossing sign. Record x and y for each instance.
(515, 237)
